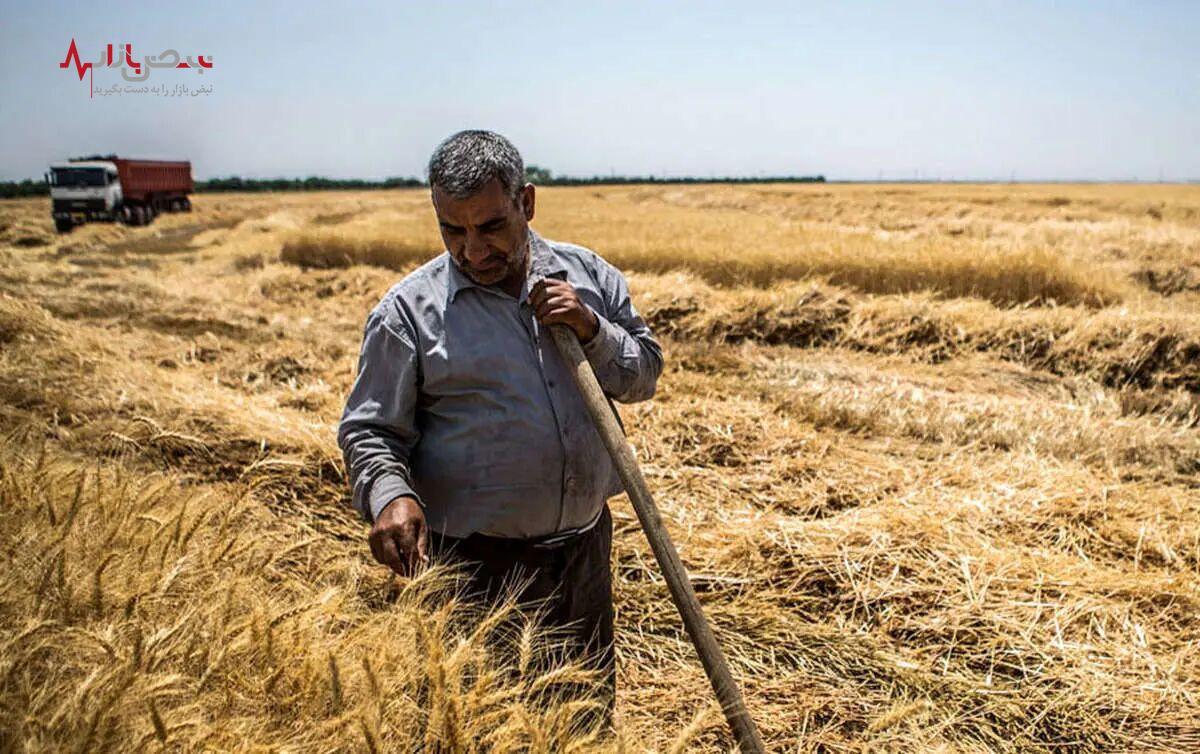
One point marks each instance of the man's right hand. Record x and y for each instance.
(399, 539)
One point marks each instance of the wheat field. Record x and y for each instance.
(931, 454)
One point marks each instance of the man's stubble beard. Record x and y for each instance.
(520, 269)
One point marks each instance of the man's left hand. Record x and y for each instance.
(555, 302)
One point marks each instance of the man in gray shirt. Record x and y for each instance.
(464, 434)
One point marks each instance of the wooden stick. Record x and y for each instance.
(728, 693)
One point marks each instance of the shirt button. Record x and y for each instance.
(550, 383)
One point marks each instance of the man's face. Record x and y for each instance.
(487, 233)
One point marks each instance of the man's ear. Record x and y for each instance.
(527, 201)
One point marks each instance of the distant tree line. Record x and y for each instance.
(27, 187)
(312, 183)
(543, 177)
(535, 174)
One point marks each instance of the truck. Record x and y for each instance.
(117, 189)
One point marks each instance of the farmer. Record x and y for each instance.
(464, 435)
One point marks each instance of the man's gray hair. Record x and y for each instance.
(464, 162)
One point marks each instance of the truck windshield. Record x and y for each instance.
(77, 176)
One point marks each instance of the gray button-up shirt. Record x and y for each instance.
(463, 402)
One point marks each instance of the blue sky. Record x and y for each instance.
(1076, 90)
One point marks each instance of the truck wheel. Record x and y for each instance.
(137, 215)
(63, 224)
(187, 204)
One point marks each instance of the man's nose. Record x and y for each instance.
(476, 250)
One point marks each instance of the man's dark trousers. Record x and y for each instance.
(574, 578)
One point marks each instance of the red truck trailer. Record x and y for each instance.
(117, 189)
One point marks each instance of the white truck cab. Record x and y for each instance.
(83, 191)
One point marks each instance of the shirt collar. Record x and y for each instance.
(543, 262)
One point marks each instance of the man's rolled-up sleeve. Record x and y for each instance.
(623, 353)
(377, 431)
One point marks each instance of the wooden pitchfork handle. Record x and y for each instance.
(728, 693)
